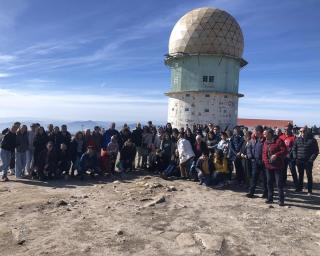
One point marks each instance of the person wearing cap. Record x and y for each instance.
(254, 154)
(273, 154)
(305, 151)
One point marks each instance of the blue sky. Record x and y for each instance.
(103, 59)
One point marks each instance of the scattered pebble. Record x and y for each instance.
(120, 232)
(61, 203)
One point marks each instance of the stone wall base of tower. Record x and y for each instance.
(189, 108)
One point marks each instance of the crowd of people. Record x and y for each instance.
(201, 153)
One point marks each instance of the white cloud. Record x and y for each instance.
(69, 106)
(4, 75)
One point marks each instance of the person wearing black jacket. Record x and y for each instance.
(137, 140)
(127, 155)
(47, 162)
(305, 150)
(236, 142)
(254, 153)
(39, 143)
(56, 138)
(8, 146)
(64, 160)
(65, 136)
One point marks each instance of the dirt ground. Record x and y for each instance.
(145, 215)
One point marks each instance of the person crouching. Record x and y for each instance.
(64, 160)
(204, 168)
(47, 164)
(127, 156)
(220, 163)
(88, 162)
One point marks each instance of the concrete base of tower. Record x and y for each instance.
(189, 108)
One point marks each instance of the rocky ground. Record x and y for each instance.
(145, 215)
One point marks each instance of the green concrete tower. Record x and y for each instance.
(205, 58)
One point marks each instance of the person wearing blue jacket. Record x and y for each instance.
(106, 139)
(88, 162)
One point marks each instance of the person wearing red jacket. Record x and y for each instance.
(273, 154)
(289, 140)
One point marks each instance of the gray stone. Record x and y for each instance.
(185, 240)
(209, 241)
(18, 236)
(158, 200)
(171, 188)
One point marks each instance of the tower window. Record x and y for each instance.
(172, 109)
(211, 79)
(207, 95)
(187, 95)
(225, 96)
(186, 109)
(205, 79)
(206, 110)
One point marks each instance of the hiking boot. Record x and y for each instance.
(281, 203)
(269, 201)
(249, 195)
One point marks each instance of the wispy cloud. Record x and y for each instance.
(4, 75)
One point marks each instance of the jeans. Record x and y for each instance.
(305, 165)
(257, 171)
(218, 177)
(6, 159)
(21, 160)
(30, 160)
(292, 165)
(276, 175)
(204, 178)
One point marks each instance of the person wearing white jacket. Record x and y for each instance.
(186, 156)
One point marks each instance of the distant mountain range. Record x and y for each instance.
(73, 126)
